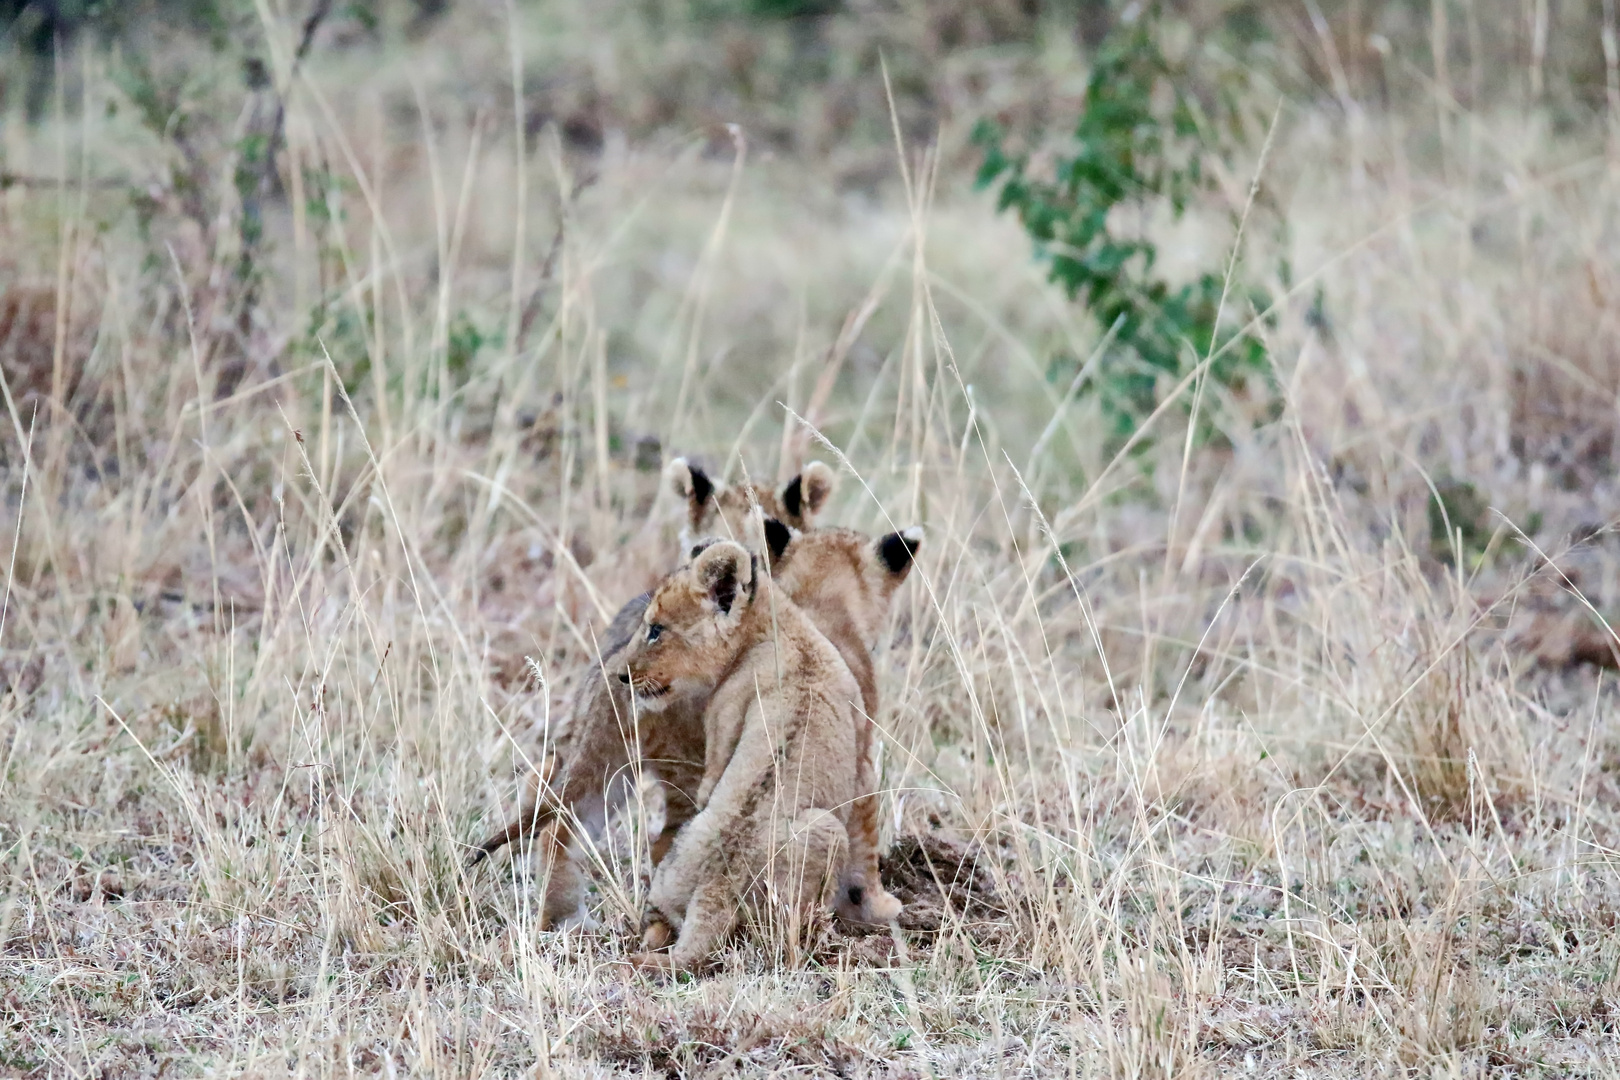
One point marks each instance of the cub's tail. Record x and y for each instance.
(538, 808)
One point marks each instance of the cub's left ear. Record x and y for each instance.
(777, 537)
(689, 482)
(898, 551)
(807, 494)
(726, 570)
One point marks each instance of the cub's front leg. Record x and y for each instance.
(691, 902)
(723, 724)
(711, 916)
(683, 784)
(693, 859)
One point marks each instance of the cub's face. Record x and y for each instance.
(843, 577)
(729, 512)
(690, 632)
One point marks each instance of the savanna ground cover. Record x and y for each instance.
(1253, 719)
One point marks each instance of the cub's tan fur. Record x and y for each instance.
(779, 747)
(592, 767)
(719, 510)
(844, 581)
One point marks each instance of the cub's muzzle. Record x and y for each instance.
(644, 688)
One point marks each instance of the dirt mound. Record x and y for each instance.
(936, 877)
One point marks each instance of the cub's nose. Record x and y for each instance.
(625, 678)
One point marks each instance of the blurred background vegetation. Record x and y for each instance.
(756, 62)
(1078, 112)
(543, 247)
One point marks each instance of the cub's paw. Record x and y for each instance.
(578, 919)
(656, 935)
(867, 905)
(659, 962)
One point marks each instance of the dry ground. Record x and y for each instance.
(1205, 758)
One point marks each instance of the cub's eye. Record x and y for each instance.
(653, 632)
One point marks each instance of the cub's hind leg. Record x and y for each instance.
(810, 852)
(711, 916)
(801, 876)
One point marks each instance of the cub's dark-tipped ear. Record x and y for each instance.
(819, 482)
(806, 495)
(899, 550)
(777, 537)
(690, 482)
(727, 571)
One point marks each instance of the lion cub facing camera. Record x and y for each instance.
(779, 750)
(845, 582)
(593, 767)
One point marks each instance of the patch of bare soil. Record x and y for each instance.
(937, 878)
(940, 881)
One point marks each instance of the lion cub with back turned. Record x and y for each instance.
(779, 750)
(845, 581)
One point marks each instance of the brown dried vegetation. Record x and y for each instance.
(1214, 761)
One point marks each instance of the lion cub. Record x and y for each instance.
(779, 747)
(591, 769)
(845, 582)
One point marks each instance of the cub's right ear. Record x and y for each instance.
(726, 570)
(690, 482)
(898, 551)
(777, 537)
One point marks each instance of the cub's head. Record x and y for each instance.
(718, 509)
(690, 632)
(842, 579)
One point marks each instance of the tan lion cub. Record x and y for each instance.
(779, 747)
(590, 772)
(845, 582)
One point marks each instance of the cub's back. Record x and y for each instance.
(798, 699)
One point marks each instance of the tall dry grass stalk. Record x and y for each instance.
(1192, 762)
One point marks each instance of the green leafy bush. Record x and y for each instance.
(1141, 137)
(762, 9)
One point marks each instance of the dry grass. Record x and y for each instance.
(1194, 763)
